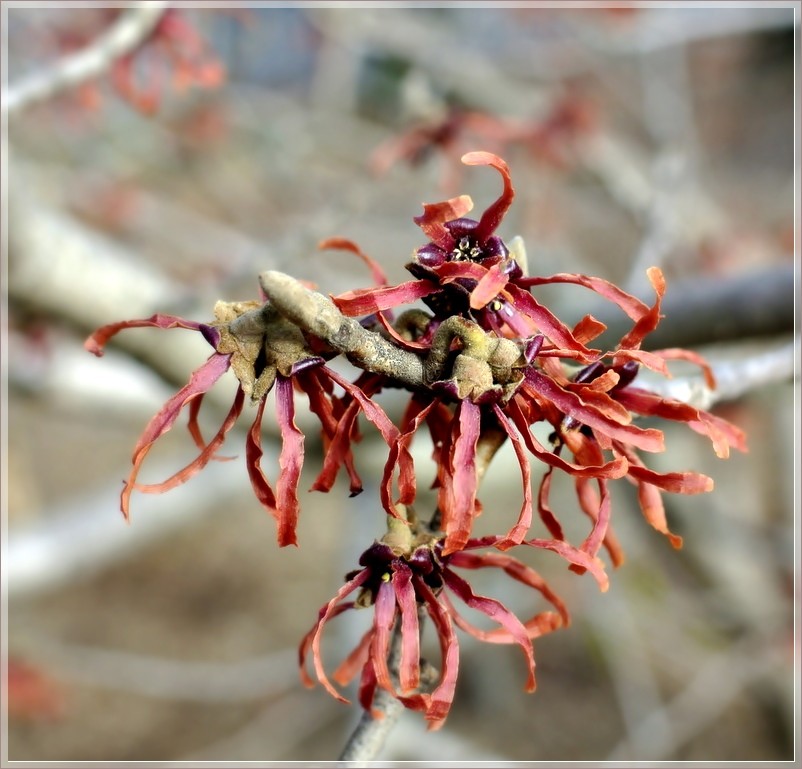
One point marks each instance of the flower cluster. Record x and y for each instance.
(485, 363)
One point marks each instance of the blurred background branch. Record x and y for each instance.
(126, 34)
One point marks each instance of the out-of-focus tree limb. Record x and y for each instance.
(84, 279)
(87, 536)
(254, 678)
(735, 376)
(133, 26)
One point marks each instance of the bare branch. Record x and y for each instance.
(133, 26)
(81, 539)
(317, 315)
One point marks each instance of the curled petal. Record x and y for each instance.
(495, 212)
(678, 353)
(649, 359)
(631, 305)
(200, 382)
(723, 434)
(311, 641)
(400, 456)
(98, 339)
(370, 409)
(545, 512)
(519, 572)
(650, 498)
(197, 464)
(383, 621)
(649, 321)
(343, 244)
(194, 427)
(338, 449)
(488, 286)
(580, 560)
(541, 624)
(573, 555)
(457, 498)
(348, 668)
(676, 483)
(517, 532)
(253, 455)
(450, 272)
(569, 403)
(547, 323)
(587, 329)
(367, 689)
(442, 697)
(318, 389)
(616, 468)
(435, 215)
(409, 668)
(404, 344)
(497, 612)
(597, 508)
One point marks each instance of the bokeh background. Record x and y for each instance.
(235, 142)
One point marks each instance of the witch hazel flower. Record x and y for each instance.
(468, 270)
(485, 364)
(495, 358)
(266, 353)
(406, 577)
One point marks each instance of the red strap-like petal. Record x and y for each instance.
(98, 339)
(497, 612)
(488, 287)
(200, 382)
(313, 638)
(569, 403)
(547, 323)
(343, 244)
(442, 697)
(197, 464)
(631, 305)
(383, 622)
(457, 496)
(409, 668)
(524, 522)
(367, 301)
(435, 215)
(496, 211)
(519, 571)
(253, 455)
(648, 322)
(290, 461)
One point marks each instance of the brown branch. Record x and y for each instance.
(317, 315)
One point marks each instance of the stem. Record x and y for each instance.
(317, 315)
